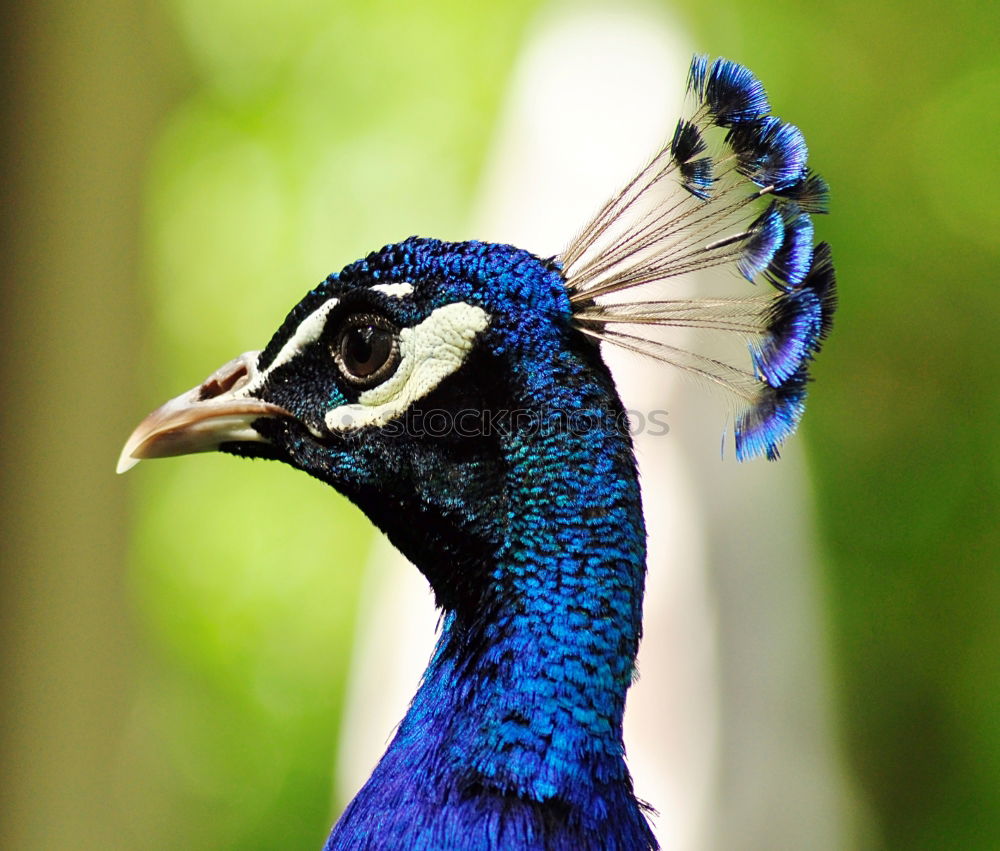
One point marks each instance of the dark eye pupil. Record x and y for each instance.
(365, 349)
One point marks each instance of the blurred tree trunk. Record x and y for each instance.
(82, 95)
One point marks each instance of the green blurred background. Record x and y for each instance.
(177, 173)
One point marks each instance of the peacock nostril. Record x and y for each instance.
(228, 378)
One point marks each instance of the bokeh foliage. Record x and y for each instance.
(309, 133)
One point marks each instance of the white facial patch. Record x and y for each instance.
(309, 331)
(429, 353)
(394, 290)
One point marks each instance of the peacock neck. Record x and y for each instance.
(524, 697)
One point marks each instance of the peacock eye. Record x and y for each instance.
(366, 349)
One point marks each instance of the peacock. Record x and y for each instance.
(455, 391)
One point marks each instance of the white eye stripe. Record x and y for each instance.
(429, 353)
(309, 331)
(394, 290)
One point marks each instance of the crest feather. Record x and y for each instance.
(730, 188)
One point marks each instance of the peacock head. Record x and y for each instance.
(369, 355)
(399, 379)
(395, 381)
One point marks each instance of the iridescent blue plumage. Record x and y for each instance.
(794, 326)
(729, 92)
(769, 152)
(525, 517)
(761, 429)
(822, 280)
(696, 172)
(791, 262)
(767, 235)
(811, 193)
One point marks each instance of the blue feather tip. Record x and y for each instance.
(764, 427)
(767, 235)
(791, 262)
(769, 152)
(798, 322)
(697, 173)
(729, 92)
(811, 193)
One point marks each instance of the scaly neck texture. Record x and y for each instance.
(514, 739)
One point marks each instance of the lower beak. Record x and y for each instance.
(213, 413)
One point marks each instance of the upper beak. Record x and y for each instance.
(202, 419)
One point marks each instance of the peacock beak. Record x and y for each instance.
(217, 411)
